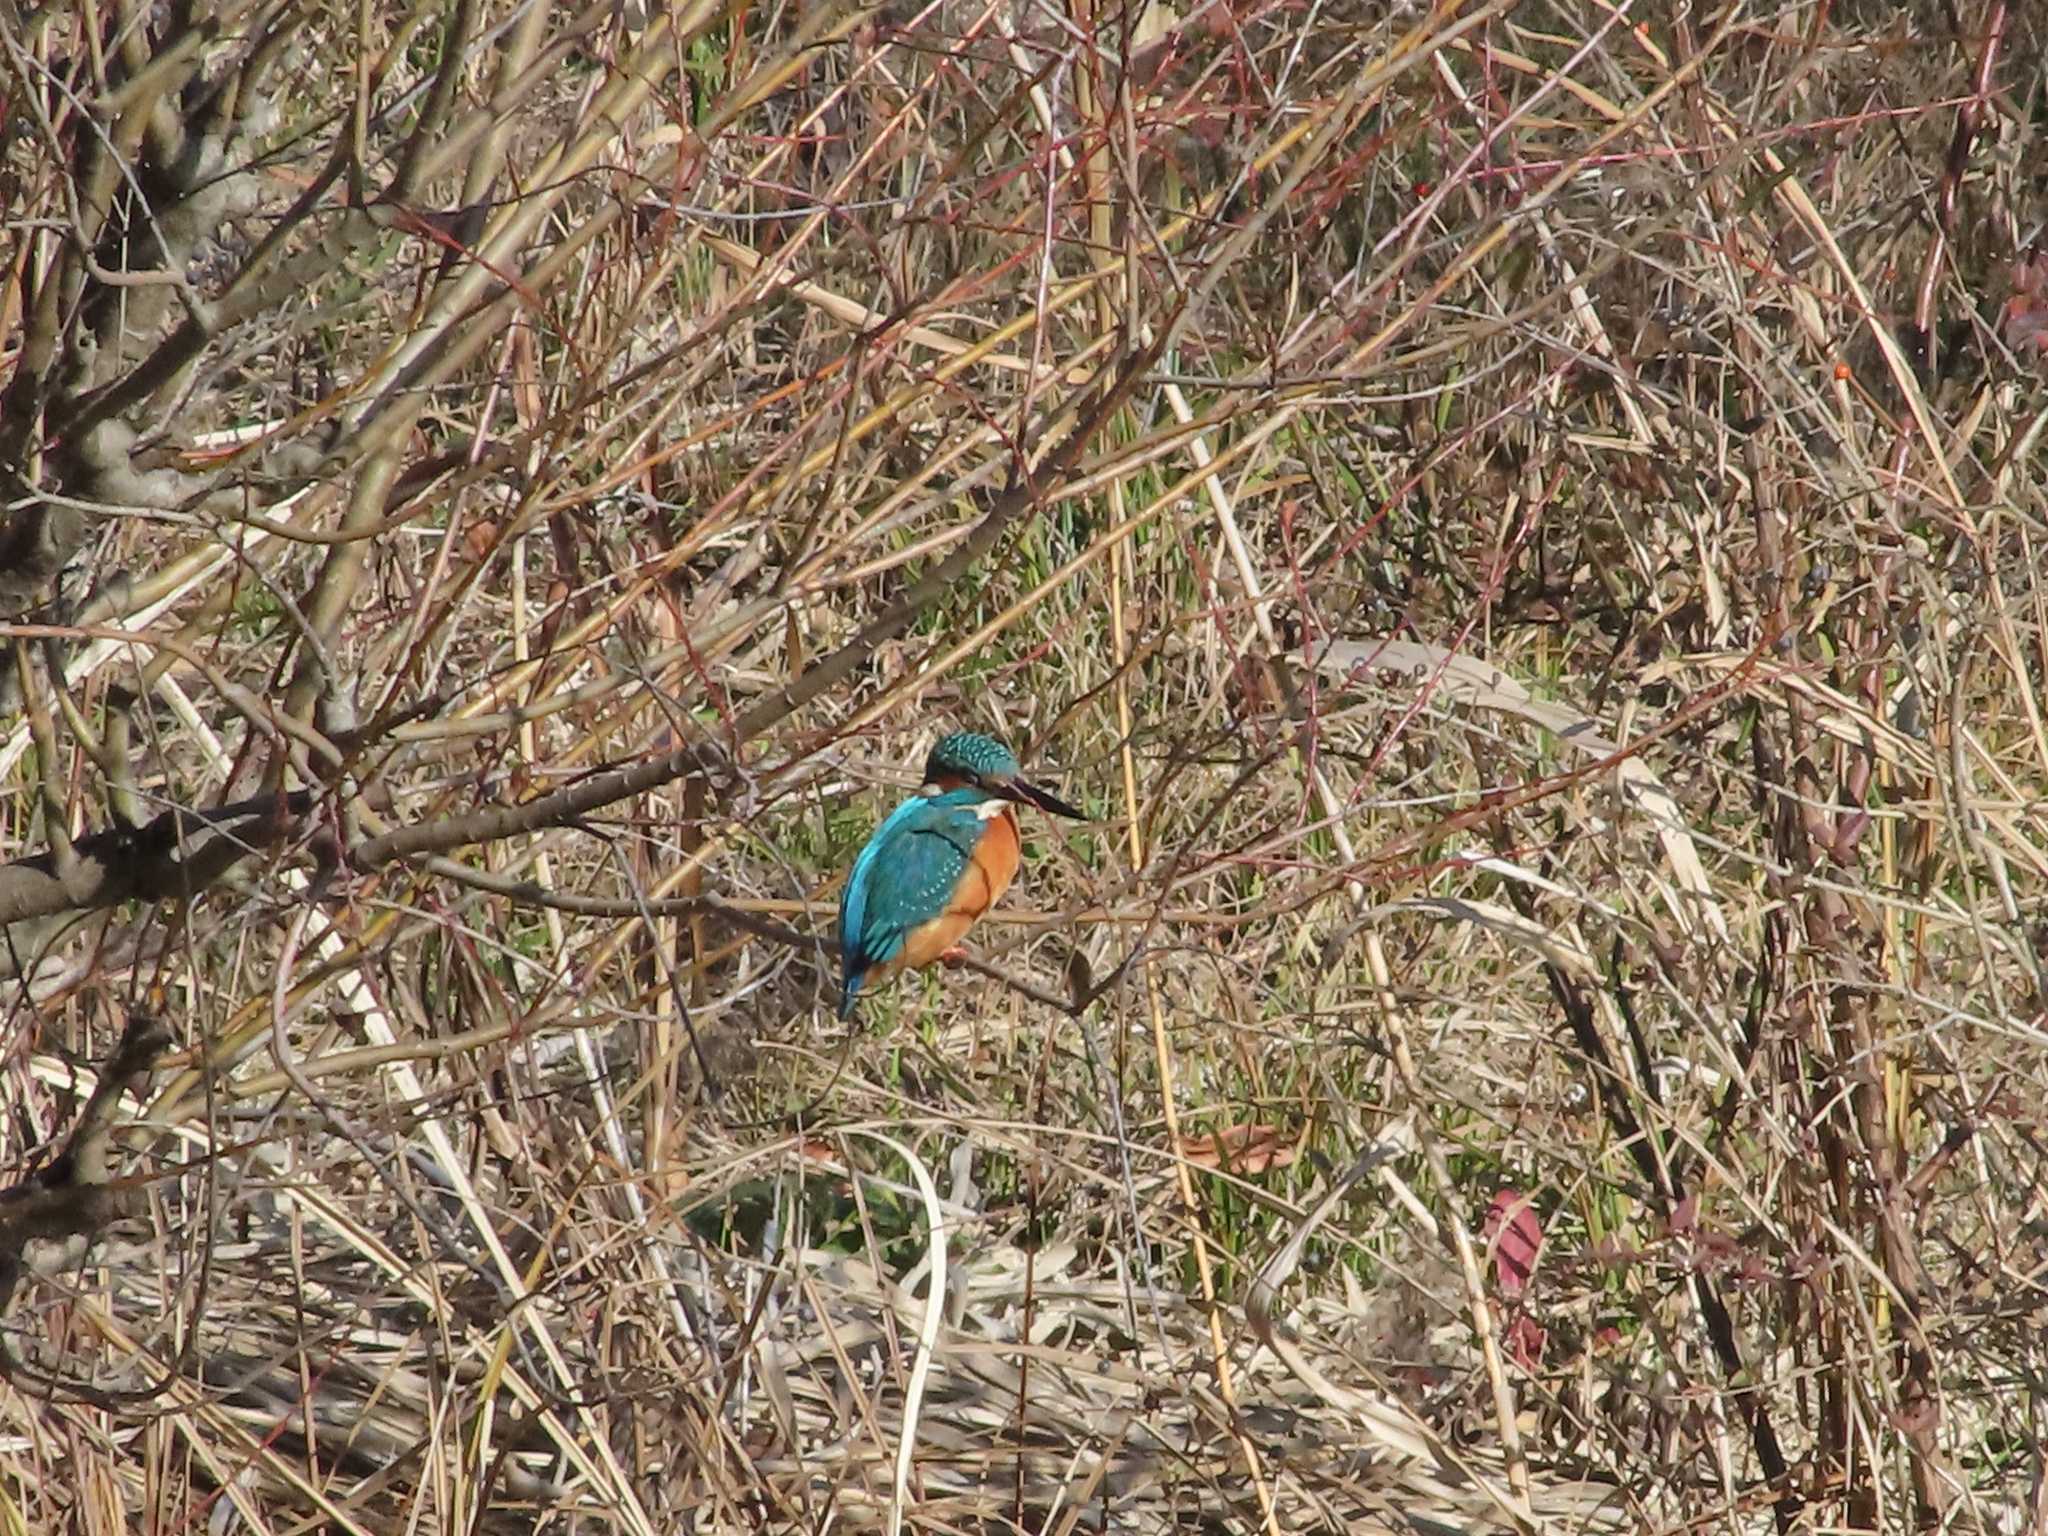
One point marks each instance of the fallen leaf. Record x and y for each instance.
(1241, 1149)
(1515, 1234)
(2026, 312)
(1525, 1338)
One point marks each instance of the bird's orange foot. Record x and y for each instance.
(952, 959)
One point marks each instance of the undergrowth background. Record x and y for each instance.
(1522, 523)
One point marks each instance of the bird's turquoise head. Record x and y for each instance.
(969, 760)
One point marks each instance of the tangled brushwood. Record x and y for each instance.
(1521, 525)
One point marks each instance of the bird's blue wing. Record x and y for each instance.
(905, 875)
(853, 901)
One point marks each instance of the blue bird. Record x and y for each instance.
(942, 859)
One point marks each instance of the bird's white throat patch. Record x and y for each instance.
(984, 810)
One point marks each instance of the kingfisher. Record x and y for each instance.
(941, 860)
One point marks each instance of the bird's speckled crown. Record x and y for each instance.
(969, 755)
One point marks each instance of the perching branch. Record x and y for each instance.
(180, 853)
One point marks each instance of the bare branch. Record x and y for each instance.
(74, 1196)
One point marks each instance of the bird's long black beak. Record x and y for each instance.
(1026, 793)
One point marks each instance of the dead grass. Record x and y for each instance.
(1523, 527)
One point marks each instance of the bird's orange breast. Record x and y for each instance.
(996, 858)
(988, 874)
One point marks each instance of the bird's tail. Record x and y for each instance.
(849, 992)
